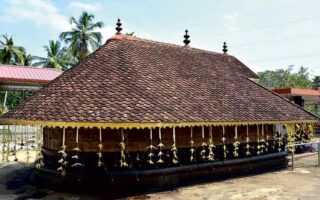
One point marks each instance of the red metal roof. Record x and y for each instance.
(298, 91)
(24, 74)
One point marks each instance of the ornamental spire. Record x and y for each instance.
(225, 47)
(186, 40)
(118, 28)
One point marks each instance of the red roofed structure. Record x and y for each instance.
(299, 95)
(25, 78)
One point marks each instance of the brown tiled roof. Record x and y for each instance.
(135, 80)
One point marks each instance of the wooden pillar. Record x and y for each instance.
(77, 150)
(151, 148)
(204, 145)
(236, 142)
(27, 144)
(7, 141)
(160, 146)
(123, 162)
(15, 143)
(63, 161)
(39, 142)
(175, 159)
(192, 149)
(211, 146)
(2, 143)
(225, 151)
(248, 153)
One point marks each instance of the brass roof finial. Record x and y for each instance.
(186, 40)
(118, 28)
(225, 47)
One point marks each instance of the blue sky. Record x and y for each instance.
(264, 34)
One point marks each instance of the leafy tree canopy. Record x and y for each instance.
(286, 78)
(316, 82)
(58, 57)
(83, 38)
(9, 52)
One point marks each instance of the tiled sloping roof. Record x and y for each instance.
(22, 74)
(135, 80)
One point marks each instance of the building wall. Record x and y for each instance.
(139, 139)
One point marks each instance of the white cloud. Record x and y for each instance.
(85, 6)
(40, 12)
(45, 14)
(107, 32)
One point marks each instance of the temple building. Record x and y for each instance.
(142, 113)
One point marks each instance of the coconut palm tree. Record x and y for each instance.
(83, 38)
(9, 52)
(27, 59)
(57, 57)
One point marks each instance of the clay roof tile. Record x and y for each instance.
(130, 79)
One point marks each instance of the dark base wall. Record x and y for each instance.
(140, 180)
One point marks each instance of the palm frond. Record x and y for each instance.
(96, 25)
(82, 37)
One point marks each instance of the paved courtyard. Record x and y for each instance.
(302, 183)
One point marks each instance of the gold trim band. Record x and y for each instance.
(141, 125)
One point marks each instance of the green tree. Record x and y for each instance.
(58, 57)
(302, 78)
(83, 38)
(9, 52)
(13, 99)
(316, 82)
(285, 78)
(27, 59)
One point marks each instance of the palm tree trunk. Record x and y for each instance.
(5, 99)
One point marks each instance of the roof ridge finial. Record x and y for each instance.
(118, 28)
(186, 40)
(225, 48)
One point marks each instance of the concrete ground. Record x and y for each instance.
(302, 183)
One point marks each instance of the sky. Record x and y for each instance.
(263, 34)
